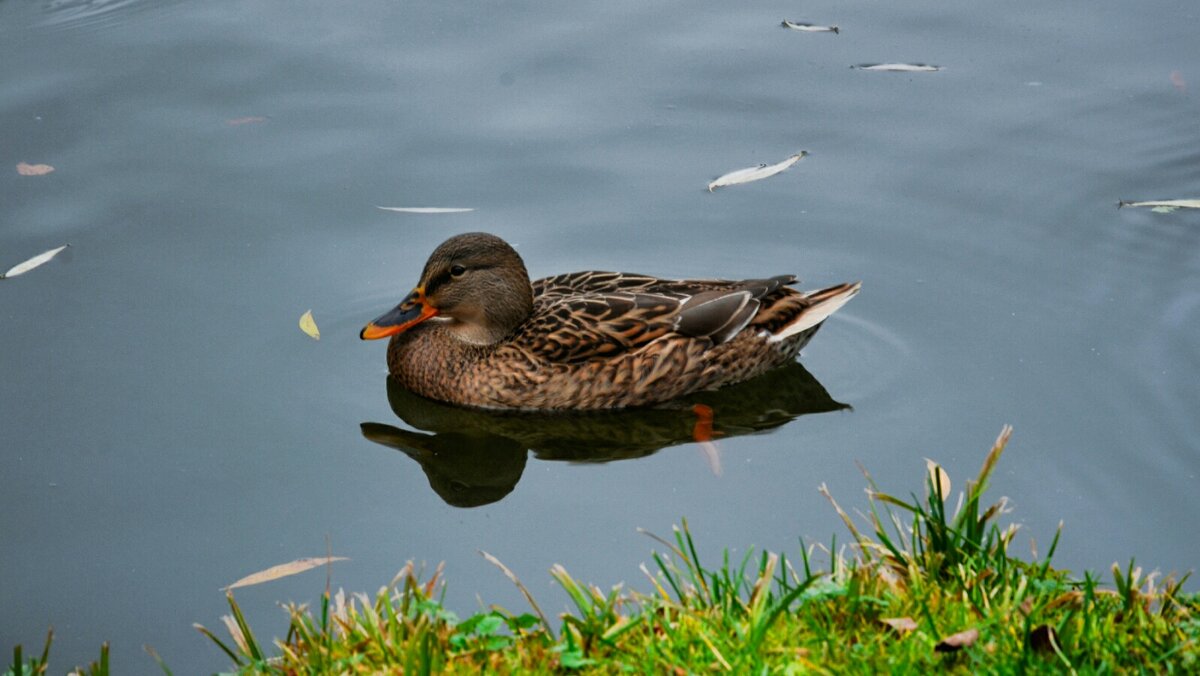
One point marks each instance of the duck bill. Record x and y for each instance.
(414, 310)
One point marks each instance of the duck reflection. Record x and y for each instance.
(475, 457)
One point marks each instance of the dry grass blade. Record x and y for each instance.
(437, 574)
(405, 573)
(663, 542)
(235, 632)
(762, 586)
(515, 580)
(989, 463)
(284, 570)
(863, 543)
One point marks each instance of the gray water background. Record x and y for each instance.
(165, 427)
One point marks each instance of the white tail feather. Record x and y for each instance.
(816, 314)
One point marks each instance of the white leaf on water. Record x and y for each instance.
(755, 173)
(427, 210)
(809, 27)
(1175, 204)
(26, 169)
(40, 259)
(899, 67)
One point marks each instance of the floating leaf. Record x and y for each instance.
(809, 27)
(938, 477)
(40, 259)
(427, 210)
(1176, 204)
(755, 173)
(900, 624)
(249, 119)
(284, 570)
(956, 642)
(899, 67)
(309, 326)
(25, 169)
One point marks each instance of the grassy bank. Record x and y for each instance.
(925, 582)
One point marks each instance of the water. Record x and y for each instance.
(166, 428)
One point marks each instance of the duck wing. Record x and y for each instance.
(552, 289)
(597, 315)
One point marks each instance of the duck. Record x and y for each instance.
(476, 332)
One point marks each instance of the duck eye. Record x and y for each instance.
(457, 270)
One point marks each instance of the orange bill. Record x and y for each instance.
(414, 310)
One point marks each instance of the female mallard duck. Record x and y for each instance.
(476, 332)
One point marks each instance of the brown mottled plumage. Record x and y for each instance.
(586, 340)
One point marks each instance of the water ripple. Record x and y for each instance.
(93, 15)
(872, 355)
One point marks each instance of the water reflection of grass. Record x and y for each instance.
(922, 586)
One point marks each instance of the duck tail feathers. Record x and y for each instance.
(824, 303)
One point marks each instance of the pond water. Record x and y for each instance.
(166, 428)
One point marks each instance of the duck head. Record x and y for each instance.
(475, 283)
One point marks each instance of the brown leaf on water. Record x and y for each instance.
(956, 642)
(900, 624)
(26, 169)
(284, 570)
(249, 119)
(1043, 639)
(1178, 81)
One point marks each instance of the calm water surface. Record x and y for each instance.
(165, 427)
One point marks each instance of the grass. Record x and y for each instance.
(921, 586)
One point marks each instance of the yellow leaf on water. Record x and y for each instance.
(309, 325)
(938, 477)
(25, 169)
(284, 570)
